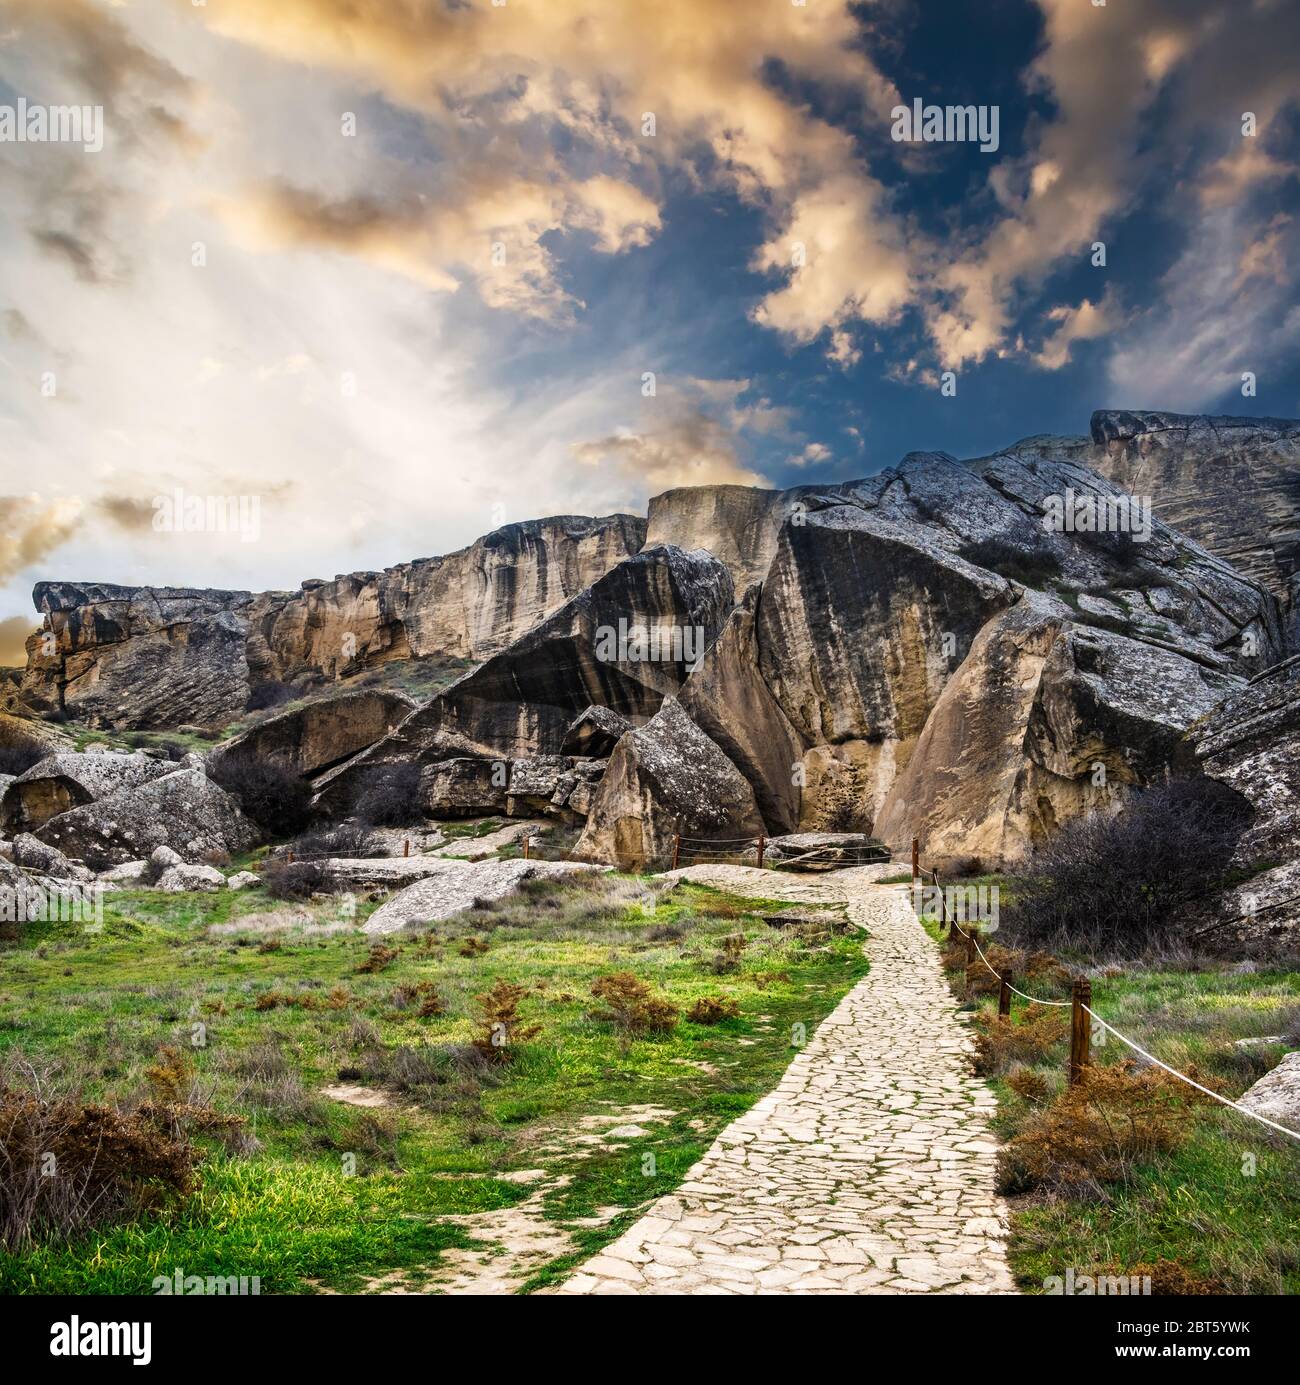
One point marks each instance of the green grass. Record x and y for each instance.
(101, 1005)
(1225, 1205)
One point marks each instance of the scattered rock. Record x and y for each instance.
(1277, 1094)
(594, 732)
(243, 880)
(178, 879)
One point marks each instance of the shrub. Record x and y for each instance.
(423, 995)
(1120, 885)
(1029, 567)
(283, 879)
(631, 1005)
(728, 960)
(1029, 1084)
(1002, 1040)
(500, 1025)
(1097, 1130)
(390, 796)
(66, 1165)
(348, 839)
(712, 1009)
(274, 796)
(379, 957)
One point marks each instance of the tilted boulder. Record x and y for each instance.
(184, 810)
(595, 731)
(67, 780)
(321, 733)
(464, 787)
(665, 778)
(35, 855)
(1043, 720)
(626, 642)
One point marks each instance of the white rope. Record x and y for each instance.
(1137, 1048)
(1236, 1106)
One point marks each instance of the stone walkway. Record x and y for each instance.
(868, 1170)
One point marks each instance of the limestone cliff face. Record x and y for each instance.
(1231, 483)
(140, 657)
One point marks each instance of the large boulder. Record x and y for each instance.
(184, 810)
(324, 732)
(67, 780)
(626, 642)
(464, 787)
(666, 778)
(1276, 1096)
(459, 885)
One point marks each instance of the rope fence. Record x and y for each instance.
(1081, 1012)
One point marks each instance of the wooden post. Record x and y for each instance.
(406, 846)
(527, 838)
(916, 859)
(761, 843)
(972, 953)
(1080, 1029)
(1004, 993)
(677, 848)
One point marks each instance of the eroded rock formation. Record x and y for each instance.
(131, 657)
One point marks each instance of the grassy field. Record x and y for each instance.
(1219, 1212)
(269, 1004)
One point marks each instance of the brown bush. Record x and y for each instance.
(1170, 1278)
(379, 957)
(66, 1165)
(423, 995)
(171, 1075)
(1097, 1130)
(1029, 1084)
(500, 1025)
(338, 998)
(472, 947)
(712, 1009)
(728, 960)
(631, 1005)
(1003, 1040)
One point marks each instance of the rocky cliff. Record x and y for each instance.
(141, 657)
(1231, 483)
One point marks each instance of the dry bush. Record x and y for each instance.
(713, 1009)
(338, 998)
(499, 1024)
(631, 1005)
(390, 796)
(66, 1165)
(1029, 1084)
(1120, 885)
(346, 839)
(472, 947)
(423, 995)
(284, 879)
(379, 957)
(728, 959)
(1097, 1130)
(1002, 1040)
(1169, 1278)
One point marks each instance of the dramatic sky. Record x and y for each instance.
(400, 267)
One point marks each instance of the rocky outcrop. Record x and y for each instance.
(625, 643)
(1276, 1096)
(1251, 743)
(131, 657)
(459, 885)
(322, 733)
(1231, 483)
(67, 780)
(665, 778)
(184, 810)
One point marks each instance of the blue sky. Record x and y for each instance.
(350, 351)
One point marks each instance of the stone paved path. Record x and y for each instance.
(868, 1170)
